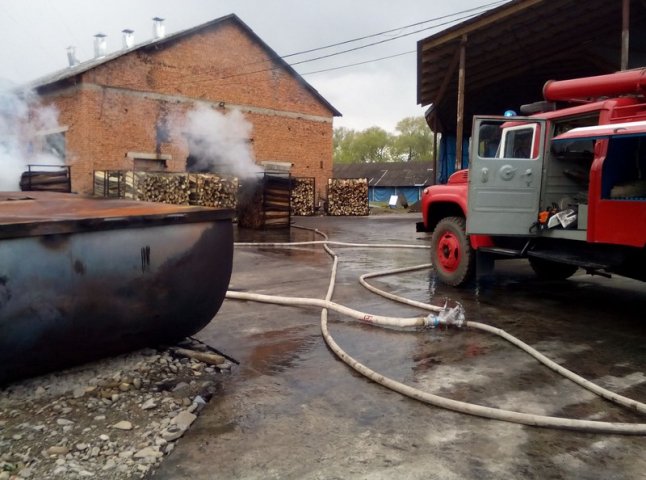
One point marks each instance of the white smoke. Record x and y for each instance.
(218, 143)
(23, 119)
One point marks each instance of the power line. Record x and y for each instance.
(352, 49)
(212, 71)
(397, 37)
(345, 42)
(360, 63)
(327, 69)
(317, 71)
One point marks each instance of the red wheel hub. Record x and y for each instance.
(449, 252)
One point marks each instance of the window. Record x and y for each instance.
(624, 169)
(508, 139)
(54, 144)
(489, 138)
(149, 162)
(518, 142)
(149, 165)
(565, 125)
(48, 147)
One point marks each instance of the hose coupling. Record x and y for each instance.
(432, 320)
(452, 316)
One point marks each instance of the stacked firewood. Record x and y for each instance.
(347, 196)
(47, 181)
(205, 189)
(210, 190)
(302, 198)
(250, 212)
(162, 187)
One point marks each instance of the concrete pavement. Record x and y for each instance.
(292, 410)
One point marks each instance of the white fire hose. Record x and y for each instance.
(445, 317)
(441, 316)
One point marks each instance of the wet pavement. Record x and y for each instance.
(292, 410)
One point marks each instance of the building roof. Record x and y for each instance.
(396, 174)
(512, 50)
(158, 43)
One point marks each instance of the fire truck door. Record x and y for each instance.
(505, 175)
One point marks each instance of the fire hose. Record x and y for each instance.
(446, 317)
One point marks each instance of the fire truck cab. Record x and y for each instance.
(564, 187)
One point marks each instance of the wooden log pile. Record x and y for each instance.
(46, 181)
(347, 196)
(211, 190)
(302, 196)
(250, 212)
(204, 189)
(161, 187)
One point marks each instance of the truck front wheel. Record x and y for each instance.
(451, 252)
(549, 270)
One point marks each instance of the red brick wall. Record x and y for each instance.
(308, 145)
(117, 106)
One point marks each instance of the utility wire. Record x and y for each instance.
(275, 67)
(365, 37)
(360, 63)
(345, 42)
(379, 42)
(326, 69)
(470, 12)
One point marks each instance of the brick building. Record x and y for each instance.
(114, 109)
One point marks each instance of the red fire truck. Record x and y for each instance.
(564, 187)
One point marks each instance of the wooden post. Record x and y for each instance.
(460, 107)
(625, 33)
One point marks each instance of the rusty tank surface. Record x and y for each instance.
(83, 278)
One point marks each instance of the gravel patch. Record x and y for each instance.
(113, 419)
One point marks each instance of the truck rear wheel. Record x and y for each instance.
(451, 252)
(550, 270)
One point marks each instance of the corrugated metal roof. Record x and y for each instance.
(70, 72)
(512, 50)
(399, 174)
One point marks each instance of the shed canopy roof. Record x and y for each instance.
(395, 174)
(512, 50)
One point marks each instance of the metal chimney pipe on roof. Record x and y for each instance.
(71, 56)
(128, 38)
(100, 45)
(159, 30)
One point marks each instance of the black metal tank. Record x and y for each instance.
(83, 278)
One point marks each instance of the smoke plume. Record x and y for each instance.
(23, 120)
(218, 143)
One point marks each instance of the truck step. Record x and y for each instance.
(504, 252)
(569, 259)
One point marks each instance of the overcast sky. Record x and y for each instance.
(35, 35)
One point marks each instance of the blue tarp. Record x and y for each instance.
(446, 160)
(382, 194)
